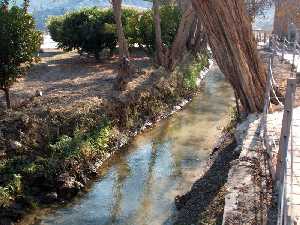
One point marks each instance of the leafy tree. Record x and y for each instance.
(88, 30)
(130, 21)
(170, 17)
(19, 43)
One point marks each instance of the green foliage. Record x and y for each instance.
(170, 19)
(83, 144)
(193, 71)
(19, 43)
(92, 29)
(88, 30)
(130, 21)
(55, 27)
(13, 188)
(233, 119)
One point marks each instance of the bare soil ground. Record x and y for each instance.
(282, 70)
(67, 79)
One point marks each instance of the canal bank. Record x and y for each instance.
(54, 147)
(139, 186)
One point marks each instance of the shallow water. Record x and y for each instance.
(138, 186)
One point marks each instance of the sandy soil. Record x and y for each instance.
(67, 79)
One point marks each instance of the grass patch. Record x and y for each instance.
(233, 119)
(193, 71)
(83, 145)
(8, 192)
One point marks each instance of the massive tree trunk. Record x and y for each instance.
(123, 46)
(158, 39)
(197, 42)
(183, 33)
(232, 42)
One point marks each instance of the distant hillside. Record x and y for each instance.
(42, 9)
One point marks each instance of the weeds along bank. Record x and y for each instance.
(50, 155)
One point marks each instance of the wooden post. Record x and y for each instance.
(265, 119)
(282, 53)
(285, 130)
(281, 166)
(294, 55)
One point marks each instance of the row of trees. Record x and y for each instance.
(226, 23)
(228, 27)
(93, 29)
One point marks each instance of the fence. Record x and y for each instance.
(279, 174)
(285, 140)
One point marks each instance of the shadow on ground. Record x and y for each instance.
(204, 203)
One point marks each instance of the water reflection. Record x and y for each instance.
(139, 186)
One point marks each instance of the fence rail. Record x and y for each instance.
(279, 174)
(281, 168)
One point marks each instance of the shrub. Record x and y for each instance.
(8, 192)
(92, 29)
(19, 44)
(130, 21)
(88, 30)
(83, 144)
(55, 27)
(193, 71)
(170, 19)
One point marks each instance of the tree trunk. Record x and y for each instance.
(26, 5)
(198, 40)
(4, 6)
(124, 67)
(123, 46)
(7, 97)
(183, 33)
(233, 45)
(158, 39)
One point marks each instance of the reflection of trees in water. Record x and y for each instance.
(122, 172)
(145, 206)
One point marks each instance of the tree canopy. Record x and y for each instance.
(19, 44)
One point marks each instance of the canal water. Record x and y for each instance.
(138, 186)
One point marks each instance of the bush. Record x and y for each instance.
(19, 44)
(8, 192)
(55, 27)
(88, 30)
(130, 21)
(193, 71)
(92, 29)
(83, 145)
(170, 19)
